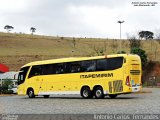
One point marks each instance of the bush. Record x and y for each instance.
(121, 52)
(4, 88)
(142, 55)
(7, 92)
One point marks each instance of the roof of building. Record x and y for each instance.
(3, 68)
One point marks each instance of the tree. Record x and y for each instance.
(142, 55)
(74, 42)
(32, 29)
(8, 28)
(146, 35)
(158, 37)
(5, 85)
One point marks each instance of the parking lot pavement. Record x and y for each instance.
(73, 104)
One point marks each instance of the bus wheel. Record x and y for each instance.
(31, 93)
(86, 93)
(112, 96)
(46, 96)
(98, 92)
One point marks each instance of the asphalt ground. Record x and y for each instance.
(143, 103)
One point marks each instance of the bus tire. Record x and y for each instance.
(30, 93)
(112, 96)
(86, 93)
(46, 96)
(98, 93)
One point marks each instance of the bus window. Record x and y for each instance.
(35, 71)
(59, 68)
(101, 65)
(47, 69)
(88, 66)
(75, 67)
(114, 63)
(22, 75)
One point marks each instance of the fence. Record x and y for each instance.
(153, 81)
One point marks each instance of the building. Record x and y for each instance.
(3, 68)
(5, 75)
(11, 76)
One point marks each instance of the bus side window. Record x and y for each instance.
(35, 71)
(88, 66)
(68, 67)
(101, 65)
(114, 63)
(47, 69)
(59, 68)
(75, 67)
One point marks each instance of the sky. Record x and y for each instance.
(80, 18)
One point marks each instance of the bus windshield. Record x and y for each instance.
(22, 75)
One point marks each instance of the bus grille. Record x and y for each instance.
(118, 86)
(135, 72)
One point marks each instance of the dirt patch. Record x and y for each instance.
(146, 90)
(7, 94)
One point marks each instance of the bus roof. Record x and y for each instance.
(71, 59)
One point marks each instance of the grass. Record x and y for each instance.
(19, 49)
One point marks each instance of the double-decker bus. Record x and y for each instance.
(90, 77)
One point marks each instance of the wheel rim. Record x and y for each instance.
(30, 93)
(98, 93)
(85, 93)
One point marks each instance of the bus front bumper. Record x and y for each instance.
(136, 88)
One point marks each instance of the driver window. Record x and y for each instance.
(35, 71)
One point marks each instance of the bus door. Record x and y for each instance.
(36, 80)
(41, 85)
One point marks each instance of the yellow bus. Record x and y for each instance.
(90, 77)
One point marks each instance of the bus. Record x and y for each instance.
(89, 77)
